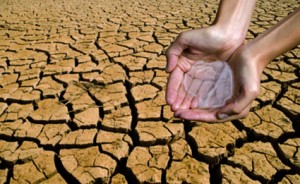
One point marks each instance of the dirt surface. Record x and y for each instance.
(82, 89)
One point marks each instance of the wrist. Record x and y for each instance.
(230, 34)
(233, 19)
(226, 38)
(251, 54)
(277, 40)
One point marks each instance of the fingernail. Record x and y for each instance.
(176, 114)
(222, 116)
(170, 101)
(194, 105)
(175, 107)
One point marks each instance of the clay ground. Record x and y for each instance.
(82, 89)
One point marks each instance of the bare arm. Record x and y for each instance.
(216, 42)
(277, 40)
(249, 62)
(234, 16)
(227, 32)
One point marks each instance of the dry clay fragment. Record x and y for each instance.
(211, 83)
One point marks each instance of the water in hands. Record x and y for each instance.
(211, 83)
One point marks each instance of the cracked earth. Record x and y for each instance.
(82, 90)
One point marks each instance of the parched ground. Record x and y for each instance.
(82, 89)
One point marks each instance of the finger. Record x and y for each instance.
(192, 89)
(194, 103)
(174, 82)
(172, 61)
(197, 115)
(180, 97)
(200, 98)
(238, 104)
(242, 114)
(186, 104)
(208, 116)
(184, 63)
(174, 51)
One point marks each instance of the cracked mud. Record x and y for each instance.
(82, 98)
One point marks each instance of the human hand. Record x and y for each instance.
(246, 73)
(247, 64)
(208, 84)
(216, 42)
(208, 44)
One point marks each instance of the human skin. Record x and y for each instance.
(248, 63)
(216, 42)
(209, 83)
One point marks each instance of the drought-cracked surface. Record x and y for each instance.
(82, 89)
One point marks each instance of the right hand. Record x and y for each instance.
(246, 73)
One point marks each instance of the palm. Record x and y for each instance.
(204, 44)
(245, 91)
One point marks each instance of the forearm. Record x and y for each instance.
(234, 17)
(277, 40)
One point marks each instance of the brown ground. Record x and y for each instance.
(82, 89)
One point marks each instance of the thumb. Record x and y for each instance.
(174, 51)
(172, 61)
(237, 105)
